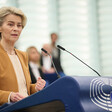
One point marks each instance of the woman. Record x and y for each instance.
(34, 64)
(15, 82)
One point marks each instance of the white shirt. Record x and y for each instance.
(19, 74)
(35, 70)
(46, 62)
(55, 52)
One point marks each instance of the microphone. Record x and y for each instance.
(51, 61)
(60, 47)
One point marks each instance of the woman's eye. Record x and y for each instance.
(10, 24)
(19, 25)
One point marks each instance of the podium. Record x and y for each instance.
(77, 94)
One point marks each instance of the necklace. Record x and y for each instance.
(10, 53)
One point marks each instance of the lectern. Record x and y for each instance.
(77, 94)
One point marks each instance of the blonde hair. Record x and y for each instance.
(4, 11)
(29, 49)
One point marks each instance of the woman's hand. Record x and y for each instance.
(16, 97)
(40, 84)
(44, 70)
(51, 71)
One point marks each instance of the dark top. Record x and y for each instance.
(57, 61)
(33, 79)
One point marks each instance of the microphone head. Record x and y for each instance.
(60, 47)
(44, 50)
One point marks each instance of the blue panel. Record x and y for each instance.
(78, 94)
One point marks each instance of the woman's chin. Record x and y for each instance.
(14, 40)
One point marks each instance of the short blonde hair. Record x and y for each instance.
(4, 11)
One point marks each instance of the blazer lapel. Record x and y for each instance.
(10, 67)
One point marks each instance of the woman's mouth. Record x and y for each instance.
(14, 34)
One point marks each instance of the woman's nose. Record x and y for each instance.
(15, 28)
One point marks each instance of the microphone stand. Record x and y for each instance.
(51, 61)
(60, 47)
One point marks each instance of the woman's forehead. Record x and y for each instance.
(13, 18)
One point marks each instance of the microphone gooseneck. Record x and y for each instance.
(51, 61)
(44, 50)
(60, 47)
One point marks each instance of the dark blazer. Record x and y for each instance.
(33, 79)
(56, 61)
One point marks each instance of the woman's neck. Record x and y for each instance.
(8, 47)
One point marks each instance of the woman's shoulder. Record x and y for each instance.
(21, 53)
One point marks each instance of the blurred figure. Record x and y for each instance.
(56, 54)
(46, 63)
(34, 64)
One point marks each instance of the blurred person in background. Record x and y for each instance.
(46, 63)
(34, 64)
(15, 81)
(56, 53)
(47, 66)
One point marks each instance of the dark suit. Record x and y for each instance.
(33, 79)
(57, 62)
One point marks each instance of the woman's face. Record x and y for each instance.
(11, 28)
(34, 55)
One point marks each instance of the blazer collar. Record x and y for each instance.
(2, 49)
